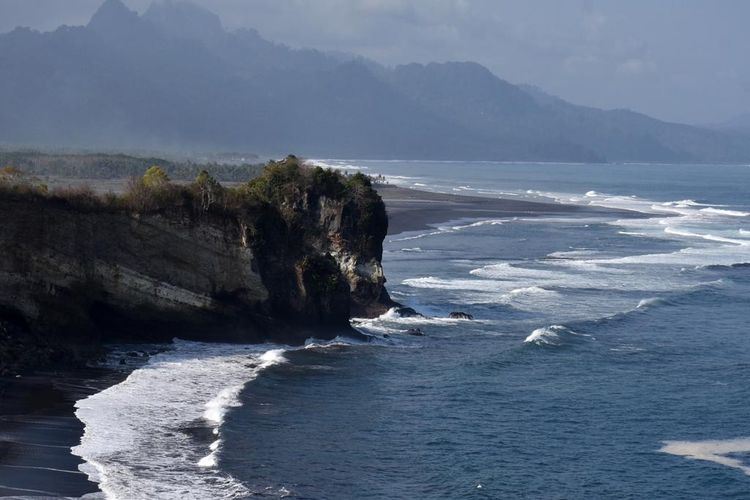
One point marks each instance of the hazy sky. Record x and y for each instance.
(681, 60)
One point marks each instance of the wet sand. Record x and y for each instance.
(37, 429)
(412, 210)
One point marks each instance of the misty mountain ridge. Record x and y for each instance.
(174, 78)
(739, 124)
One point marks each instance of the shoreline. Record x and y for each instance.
(414, 210)
(38, 420)
(408, 209)
(39, 428)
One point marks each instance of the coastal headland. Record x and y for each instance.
(299, 262)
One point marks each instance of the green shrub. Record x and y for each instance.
(155, 177)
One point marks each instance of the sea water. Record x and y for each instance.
(608, 358)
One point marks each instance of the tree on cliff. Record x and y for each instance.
(155, 177)
(208, 189)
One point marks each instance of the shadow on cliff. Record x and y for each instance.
(293, 253)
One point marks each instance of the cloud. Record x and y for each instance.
(635, 67)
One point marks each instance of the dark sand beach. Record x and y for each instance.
(413, 210)
(37, 429)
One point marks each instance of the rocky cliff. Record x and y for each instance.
(292, 254)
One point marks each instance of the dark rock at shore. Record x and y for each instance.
(460, 315)
(416, 332)
(20, 348)
(408, 312)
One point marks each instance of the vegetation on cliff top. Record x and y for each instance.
(287, 187)
(114, 166)
(309, 230)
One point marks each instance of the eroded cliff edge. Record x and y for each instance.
(292, 254)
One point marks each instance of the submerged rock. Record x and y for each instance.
(460, 315)
(416, 332)
(407, 312)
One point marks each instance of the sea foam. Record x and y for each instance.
(727, 213)
(711, 451)
(140, 437)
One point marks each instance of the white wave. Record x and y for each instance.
(683, 204)
(549, 335)
(569, 254)
(390, 314)
(392, 323)
(335, 165)
(328, 344)
(630, 349)
(625, 202)
(414, 250)
(711, 451)
(451, 284)
(487, 222)
(686, 257)
(561, 273)
(401, 180)
(709, 237)
(393, 316)
(507, 270)
(451, 229)
(728, 213)
(136, 440)
(543, 335)
(416, 237)
(650, 302)
(532, 290)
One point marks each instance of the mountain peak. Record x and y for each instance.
(182, 19)
(112, 15)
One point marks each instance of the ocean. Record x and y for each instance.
(608, 358)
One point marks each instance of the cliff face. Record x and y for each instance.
(279, 270)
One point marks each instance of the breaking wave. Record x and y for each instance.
(728, 213)
(553, 335)
(718, 452)
(157, 433)
(651, 302)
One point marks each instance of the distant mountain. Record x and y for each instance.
(739, 124)
(174, 78)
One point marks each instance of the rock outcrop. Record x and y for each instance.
(297, 260)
